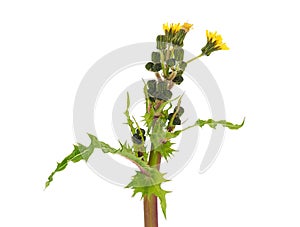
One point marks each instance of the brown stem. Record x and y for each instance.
(150, 203)
(150, 211)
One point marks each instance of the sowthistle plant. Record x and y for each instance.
(160, 120)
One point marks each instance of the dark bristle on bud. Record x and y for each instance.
(170, 116)
(136, 138)
(176, 121)
(140, 154)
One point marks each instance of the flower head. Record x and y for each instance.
(186, 26)
(214, 43)
(181, 33)
(171, 30)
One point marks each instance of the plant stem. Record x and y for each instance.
(150, 203)
(199, 56)
(150, 211)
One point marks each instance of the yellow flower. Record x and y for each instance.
(217, 39)
(186, 26)
(173, 28)
(214, 43)
(175, 33)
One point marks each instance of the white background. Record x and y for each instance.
(46, 47)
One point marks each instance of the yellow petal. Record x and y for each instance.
(166, 27)
(223, 46)
(186, 26)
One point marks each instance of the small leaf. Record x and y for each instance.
(148, 118)
(79, 153)
(129, 121)
(213, 124)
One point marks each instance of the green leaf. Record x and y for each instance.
(148, 118)
(213, 124)
(146, 96)
(82, 152)
(149, 185)
(129, 121)
(166, 150)
(160, 139)
(79, 153)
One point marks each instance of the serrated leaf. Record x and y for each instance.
(148, 118)
(213, 124)
(160, 139)
(82, 152)
(166, 150)
(149, 185)
(79, 153)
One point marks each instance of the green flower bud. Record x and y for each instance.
(178, 80)
(136, 138)
(155, 56)
(149, 66)
(157, 67)
(162, 86)
(182, 65)
(179, 73)
(176, 121)
(167, 95)
(142, 130)
(151, 84)
(179, 37)
(151, 99)
(180, 111)
(171, 62)
(161, 42)
(179, 54)
(170, 116)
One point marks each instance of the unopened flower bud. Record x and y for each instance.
(161, 42)
(178, 54)
(155, 57)
(171, 62)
